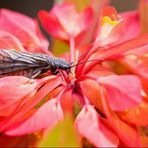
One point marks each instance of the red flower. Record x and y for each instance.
(116, 28)
(64, 22)
(16, 26)
(102, 94)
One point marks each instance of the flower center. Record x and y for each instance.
(70, 79)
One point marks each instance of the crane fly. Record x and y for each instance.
(29, 65)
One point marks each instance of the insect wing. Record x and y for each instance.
(19, 63)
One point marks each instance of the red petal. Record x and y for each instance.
(63, 21)
(51, 24)
(29, 102)
(138, 65)
(117, 50)
(132, 26)
(141, 51)
(90, 126)
(143, 136)
(68, 18)
(23, 27)
(66, 101)
(137, 115)
(128, 45)
(53, 112)
(85, 19)
(111, 12)
(123, 91)
(137, 61)
(8, 41)
(85, 23)
(126, 132)
(13, 90)
(20, 141)
(127, 29)
(94, 94)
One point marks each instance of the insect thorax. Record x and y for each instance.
(59, 63)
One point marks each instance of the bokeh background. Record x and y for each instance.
(31, 7)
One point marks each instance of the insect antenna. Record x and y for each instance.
(94, 60)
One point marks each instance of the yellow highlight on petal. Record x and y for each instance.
(108, 20)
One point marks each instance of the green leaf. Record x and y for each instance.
(63, 135)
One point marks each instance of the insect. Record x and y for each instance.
(30, 65)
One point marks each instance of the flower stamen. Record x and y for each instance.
(75, 62)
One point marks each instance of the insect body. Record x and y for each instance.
(29, 64)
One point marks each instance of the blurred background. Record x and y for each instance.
(31, 7)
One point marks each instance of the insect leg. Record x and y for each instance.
(36, 74)
(61, 75)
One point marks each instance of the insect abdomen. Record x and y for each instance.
(18, 63)
(29, 64)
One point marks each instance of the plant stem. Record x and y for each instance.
(72, 48)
